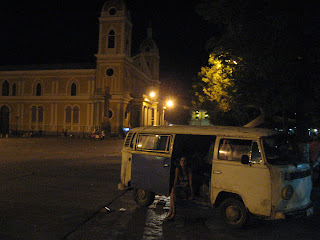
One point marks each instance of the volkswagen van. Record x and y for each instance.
(242, 171)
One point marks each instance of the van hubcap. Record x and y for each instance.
(233, 214)
(141, 194)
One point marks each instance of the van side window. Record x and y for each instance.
(233, 149)
(255, 155)
(132, 141)
(128, 142)
(153, 142)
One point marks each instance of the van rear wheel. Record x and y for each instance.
(234, 212)
(142, 197)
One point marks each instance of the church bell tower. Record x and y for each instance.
(114, 54)
(115, 29)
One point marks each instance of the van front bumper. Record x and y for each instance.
(304, 212)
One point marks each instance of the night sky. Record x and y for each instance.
(48, 32)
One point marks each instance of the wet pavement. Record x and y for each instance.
(123, 219)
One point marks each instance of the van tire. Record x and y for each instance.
(142, 197)
(234, 212)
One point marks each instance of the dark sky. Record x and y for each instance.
(42, 32)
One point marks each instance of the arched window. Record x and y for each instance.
(37, 114)
(73, 89)
(38, 90)
(110, 114)
(68, 114)
(111, 39)
(14, 89)
(40, 114)
(34, 114)
(76, 111)
(5, 88)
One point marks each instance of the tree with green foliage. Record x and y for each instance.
(218, 80)
(220, 91)
(269, 38)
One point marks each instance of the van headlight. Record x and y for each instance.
(287, 192)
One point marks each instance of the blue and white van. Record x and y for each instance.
(240, 170)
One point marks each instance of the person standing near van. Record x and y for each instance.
(182, 187)
(314, 157)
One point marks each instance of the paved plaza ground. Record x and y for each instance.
(24, 149)
(50, 186)
(57, 188)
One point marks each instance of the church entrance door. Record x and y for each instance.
(4, 120)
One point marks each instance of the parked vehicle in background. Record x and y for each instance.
(242, 171)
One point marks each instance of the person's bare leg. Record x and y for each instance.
(173, 203)
(172, 206)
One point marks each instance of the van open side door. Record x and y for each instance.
(151, 163)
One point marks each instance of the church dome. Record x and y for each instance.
(114, 8)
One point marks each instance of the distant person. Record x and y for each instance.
(94, 133)
(182, 187)
(103, 134)
(314, 154)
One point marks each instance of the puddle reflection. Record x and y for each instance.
(155, 215)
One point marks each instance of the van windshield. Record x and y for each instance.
(281, 150)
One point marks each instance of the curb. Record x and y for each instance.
(109, 222)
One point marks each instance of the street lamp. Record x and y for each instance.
(169, 103)
(152, 94)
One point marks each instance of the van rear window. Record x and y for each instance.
(153, 142)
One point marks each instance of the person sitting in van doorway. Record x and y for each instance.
(182, 187)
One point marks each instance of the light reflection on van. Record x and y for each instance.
(242, 171)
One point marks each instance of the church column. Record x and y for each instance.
(149, 116)
(145, 116)
(155, 116)
(142, 116)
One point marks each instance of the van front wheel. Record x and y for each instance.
(234, 212)
(142, 197)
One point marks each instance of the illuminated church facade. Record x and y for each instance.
(110, 95)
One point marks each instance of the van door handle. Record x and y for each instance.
(165, 165)
(217, 172)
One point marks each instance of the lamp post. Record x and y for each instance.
(169, 105)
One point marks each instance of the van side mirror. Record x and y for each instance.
(245, 159)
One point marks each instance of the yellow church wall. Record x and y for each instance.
(128, 86)
(55, 88)
(113, 82)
